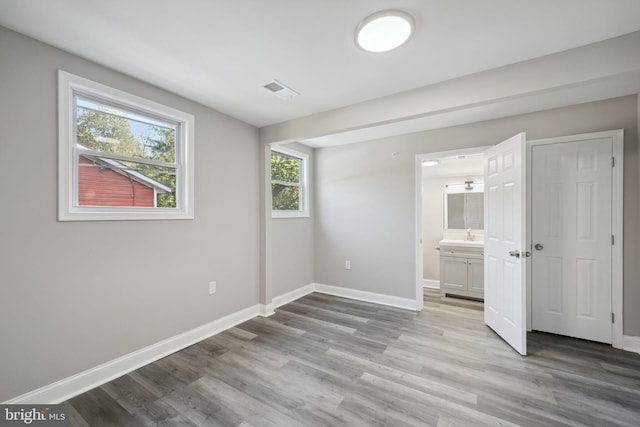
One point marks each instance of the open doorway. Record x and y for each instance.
(451, 211)
(504, 225)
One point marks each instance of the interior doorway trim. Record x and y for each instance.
(418, 212)
(617, 138)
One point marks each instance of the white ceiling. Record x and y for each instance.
(220, 52)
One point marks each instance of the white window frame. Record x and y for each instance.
(69, 86)
(303, 212)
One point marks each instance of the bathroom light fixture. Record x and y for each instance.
(468, 186)
(432, 162)
(384, 31)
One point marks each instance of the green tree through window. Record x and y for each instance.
(108, 130)
(285, 182)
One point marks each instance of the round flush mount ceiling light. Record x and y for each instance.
(384, 31)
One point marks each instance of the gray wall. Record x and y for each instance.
(78, 294)
(293, 243)
(366, 197)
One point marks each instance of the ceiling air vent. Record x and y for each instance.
(280, 90)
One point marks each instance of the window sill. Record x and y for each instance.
(123, 215)
(289, 214)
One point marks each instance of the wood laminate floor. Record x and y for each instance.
(329, 361)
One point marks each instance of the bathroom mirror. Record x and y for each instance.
(464, 207)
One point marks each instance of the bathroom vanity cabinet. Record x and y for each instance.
(462, 269)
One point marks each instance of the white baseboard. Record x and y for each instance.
(430, 283)
(69, 387)
(293, 295)
(405, 303)
(631, 343)
(266, 310)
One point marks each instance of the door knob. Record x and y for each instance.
(538, 247)
(515, 254)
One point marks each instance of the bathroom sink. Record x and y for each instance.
(464, 243)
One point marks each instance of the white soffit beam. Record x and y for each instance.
(596, 67)
(626, 84)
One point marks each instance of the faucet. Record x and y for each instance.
(470, 235)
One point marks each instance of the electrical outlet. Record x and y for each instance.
(347, 265)
(212, 288)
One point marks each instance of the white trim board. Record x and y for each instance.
(392, 301)
(631, 343)
(382, 299)
(69, 387)
(431, 284)
(266, 310)
(295, 294)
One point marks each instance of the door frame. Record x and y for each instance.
(617, 216)
(418, 211)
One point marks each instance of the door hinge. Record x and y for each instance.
(613, 162)
(613, 239)
(613, 318)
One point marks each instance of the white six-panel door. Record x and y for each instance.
(504, 261)
(571, 236)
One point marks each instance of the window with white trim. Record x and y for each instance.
(289, 177)
(121, 157)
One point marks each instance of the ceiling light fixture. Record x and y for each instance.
(433, 162)
(384, 31)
